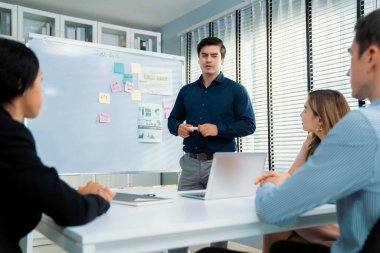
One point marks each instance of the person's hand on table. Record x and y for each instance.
(272, 177)
(98, 189)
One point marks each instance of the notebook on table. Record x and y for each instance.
(232, 175)
(139, 199)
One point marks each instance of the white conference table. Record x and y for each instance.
(183, 222)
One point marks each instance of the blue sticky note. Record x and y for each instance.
(118, 68)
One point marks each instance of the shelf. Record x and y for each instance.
(78, 29)
(36, 21)
(146, 40)
(8, 21)
(113, 35)
(17, 22)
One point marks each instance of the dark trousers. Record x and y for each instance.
(217, 250)
(297, 247)
(279, 247)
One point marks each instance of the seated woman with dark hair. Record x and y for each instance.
(29, 187)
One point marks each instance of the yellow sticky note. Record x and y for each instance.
(136, 68)
(104, 98)
(136, 95)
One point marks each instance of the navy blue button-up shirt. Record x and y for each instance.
(224, 103)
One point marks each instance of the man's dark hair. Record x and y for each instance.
(367, 31)
(212, 41)
(18, 69)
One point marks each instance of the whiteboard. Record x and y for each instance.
(68, 132)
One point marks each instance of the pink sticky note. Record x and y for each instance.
(167, 113)
(168, 104)
(129, 87)
(116, 87)
(104, 117)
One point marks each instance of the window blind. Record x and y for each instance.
(332, 32)
(370, 5)
(254, 72)
(184, 52)
(183, 39)
(289, 81)
(196, 36)
(283, 48)
(225, 29)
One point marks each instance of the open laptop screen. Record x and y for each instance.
(232, 175)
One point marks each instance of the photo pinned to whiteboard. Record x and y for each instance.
(157, 81)
(149, 126)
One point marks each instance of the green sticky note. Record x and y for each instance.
(118, 68)
(127, 78)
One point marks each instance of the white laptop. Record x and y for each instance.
(232, 175)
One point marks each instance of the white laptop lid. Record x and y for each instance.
(232, 175)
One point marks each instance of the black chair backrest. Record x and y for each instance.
(372, 244)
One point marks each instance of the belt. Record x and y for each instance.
(202, 156)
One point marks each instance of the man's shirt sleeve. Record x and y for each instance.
(244, 123)
(177, 115)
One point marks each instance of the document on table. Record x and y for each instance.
(139, 199)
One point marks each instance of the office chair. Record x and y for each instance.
(372, 244)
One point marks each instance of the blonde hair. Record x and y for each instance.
(330, 106)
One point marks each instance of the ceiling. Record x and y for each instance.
(141, 14)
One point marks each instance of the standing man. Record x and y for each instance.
(346, 165)
(216, 110)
